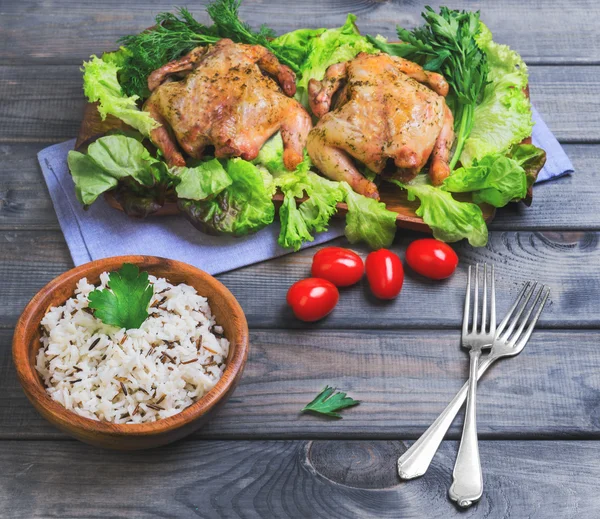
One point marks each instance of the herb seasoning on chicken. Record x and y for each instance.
(226, 99)
(381, 112)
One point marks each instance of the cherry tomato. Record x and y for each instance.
(342, 267)
(431, 258)
(312, 299)
(385, 274)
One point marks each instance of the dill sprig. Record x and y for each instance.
(176, 34)
(173, 36)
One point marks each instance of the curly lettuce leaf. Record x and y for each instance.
(330, 47)
(295, 44)
(243, 208)
(449, 219)
(203, 181)
(503, 117)
(294, 228)
(368, 220)
(100, 84)
(324, 196)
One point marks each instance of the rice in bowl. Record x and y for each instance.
(132, 376)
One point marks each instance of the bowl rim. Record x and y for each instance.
(37, 394)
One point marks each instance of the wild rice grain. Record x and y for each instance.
(104, 360)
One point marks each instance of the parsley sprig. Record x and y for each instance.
(124, 303)
(446, 44)
(328, 402)
(448, 41)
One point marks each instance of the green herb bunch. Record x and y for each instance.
(446, 44)
(177, 34)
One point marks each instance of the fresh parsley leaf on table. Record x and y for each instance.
(124, 303)
(328, 402)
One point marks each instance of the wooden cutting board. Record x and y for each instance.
(394, 198)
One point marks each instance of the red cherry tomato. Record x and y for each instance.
(385, 274)
(431, 258)
(342, 267)
(312, 299)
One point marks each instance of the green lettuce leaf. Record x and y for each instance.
(243, 208)
(113, 159)
(498, 179)
(313, 215)
(327, 48)
(449, 219)
(530, 158)
(271, 157)
(368, 220)
(295, 44)
(121, 156)
(294, 228)
(503, 117)
(324, 196)
(100, 84)
(495, 179)
(90, 179)
(205, 180)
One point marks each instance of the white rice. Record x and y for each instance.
(132, 376)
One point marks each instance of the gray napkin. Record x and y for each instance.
(102, 231)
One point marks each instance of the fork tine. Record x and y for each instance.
(520, 310)
(476, 305)
(524, 320)
(465, 329)
(484, 302)
(518, 300)
(493, 302)
(523, 340)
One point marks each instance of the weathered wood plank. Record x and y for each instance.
(25, 204)
(45, 103)
(566, 261)
(544, 32)
(291, 479)
(404, 380)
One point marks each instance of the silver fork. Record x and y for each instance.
(416, 460)
(467, 485)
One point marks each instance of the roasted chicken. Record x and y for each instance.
(224, 96)
(388, 113)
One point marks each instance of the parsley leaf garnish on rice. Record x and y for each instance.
(125, 302)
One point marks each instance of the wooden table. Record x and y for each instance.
(539, 415)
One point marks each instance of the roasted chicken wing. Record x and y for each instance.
(384, 108)
(224, 96)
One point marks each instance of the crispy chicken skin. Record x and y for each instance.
(386, 108)
(224, 95)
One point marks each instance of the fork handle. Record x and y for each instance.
(467, 485)
(416, 460)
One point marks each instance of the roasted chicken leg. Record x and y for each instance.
(384, 109)
(224, 96)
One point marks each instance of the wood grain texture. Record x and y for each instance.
(26, 344)
(542, 31)
(566, 261)
(45, 103)
(404, 379)
(291, 479)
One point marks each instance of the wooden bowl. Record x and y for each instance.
(26, 343)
